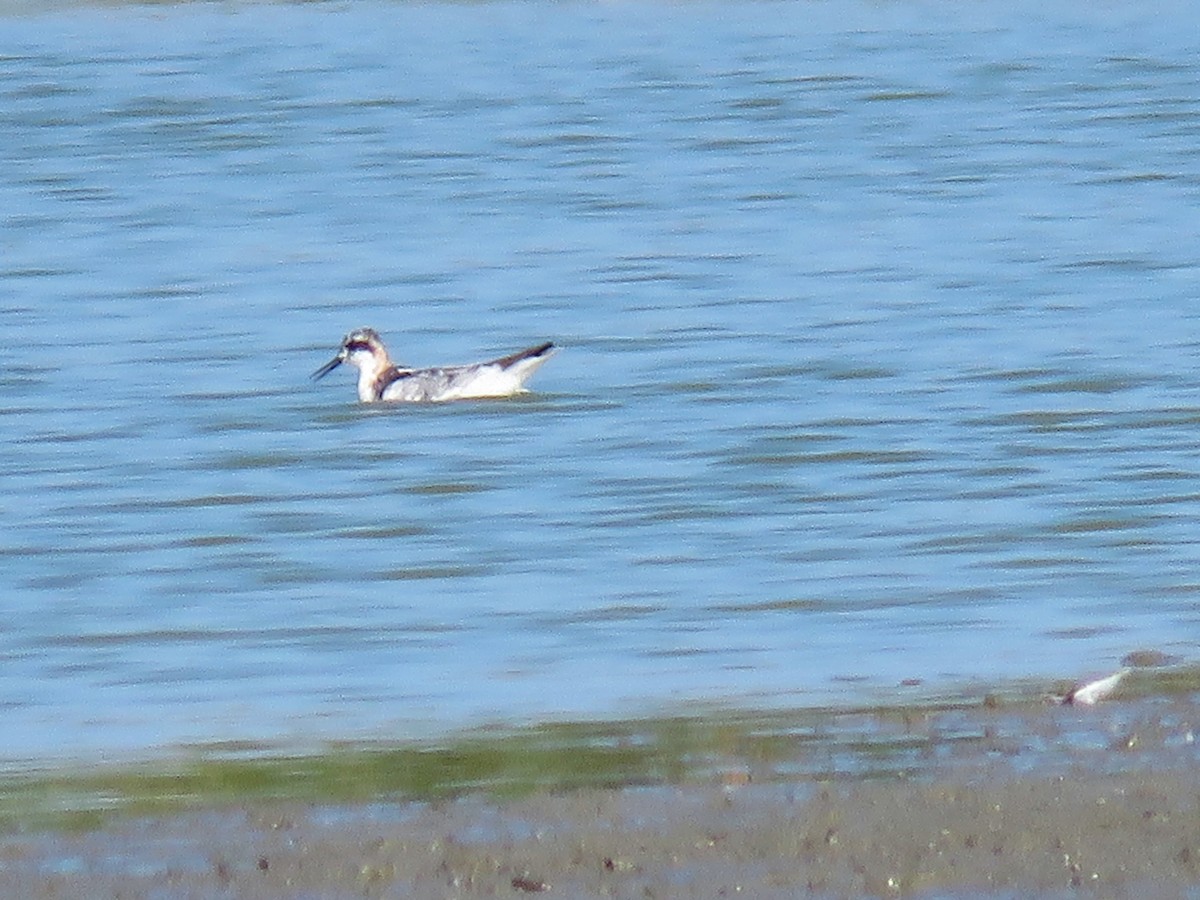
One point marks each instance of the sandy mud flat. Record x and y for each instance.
(1047, 802)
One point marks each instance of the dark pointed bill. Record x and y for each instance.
(327, 368)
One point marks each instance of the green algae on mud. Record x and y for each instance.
(704, 746)
(991, 801)
(559, 756)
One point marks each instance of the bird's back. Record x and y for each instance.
(501, 377)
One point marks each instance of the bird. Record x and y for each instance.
(379, 379)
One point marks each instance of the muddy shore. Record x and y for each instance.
(1126, 836)
(1046, 802)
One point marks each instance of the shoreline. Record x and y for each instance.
(988, 800)
(1129, 835)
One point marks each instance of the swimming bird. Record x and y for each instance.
(381, 379)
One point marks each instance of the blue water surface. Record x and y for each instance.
(879, 374)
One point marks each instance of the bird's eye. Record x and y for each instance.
(353, 346)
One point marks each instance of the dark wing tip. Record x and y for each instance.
(530, 353)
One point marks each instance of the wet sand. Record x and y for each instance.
(1126, 836)
(1050, 803)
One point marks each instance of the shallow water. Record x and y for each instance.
(879, 361)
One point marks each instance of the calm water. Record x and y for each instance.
(882, 360)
